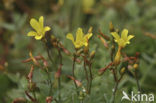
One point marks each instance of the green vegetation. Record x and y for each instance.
(92, 68)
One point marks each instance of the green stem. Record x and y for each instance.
(86, 74)
(51, 60)
(91, 77)
(117, 81)
(137, 81)
(114, 91)
(73, 72)
(59, 79)
(49, 79)
(116, 84)
(114, 74)
(48, 52)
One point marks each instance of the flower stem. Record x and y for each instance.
(116, 83)
(114, 91)
(48, 52)
(49, 79)
(86, 73)
(91, 77)
(59, 79)
(73, 72)
(137, 81)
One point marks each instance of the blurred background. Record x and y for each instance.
(63, 16)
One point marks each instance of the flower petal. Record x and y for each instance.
(86, 38)
(41, 21)
(89, 35)
(86, 43)
(47, 28)
(130, 37)
(124, 34)
(34, 23)
(31, 33)
(79, 35)
(70, 37)
(38, 37)
(116, 36)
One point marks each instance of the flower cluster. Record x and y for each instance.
(81, 54)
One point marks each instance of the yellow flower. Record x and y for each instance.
(39, 28)
(87, 5)
(124, 39)
(60, 2)
(81, 39)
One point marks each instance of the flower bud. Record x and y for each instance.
(53, 38)
(117, 57)
(1, 67)
(122, 70)
(135, 66)
(49, 99)
(111, 27)
(92, 54)
(90, 29)
(45, 63)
